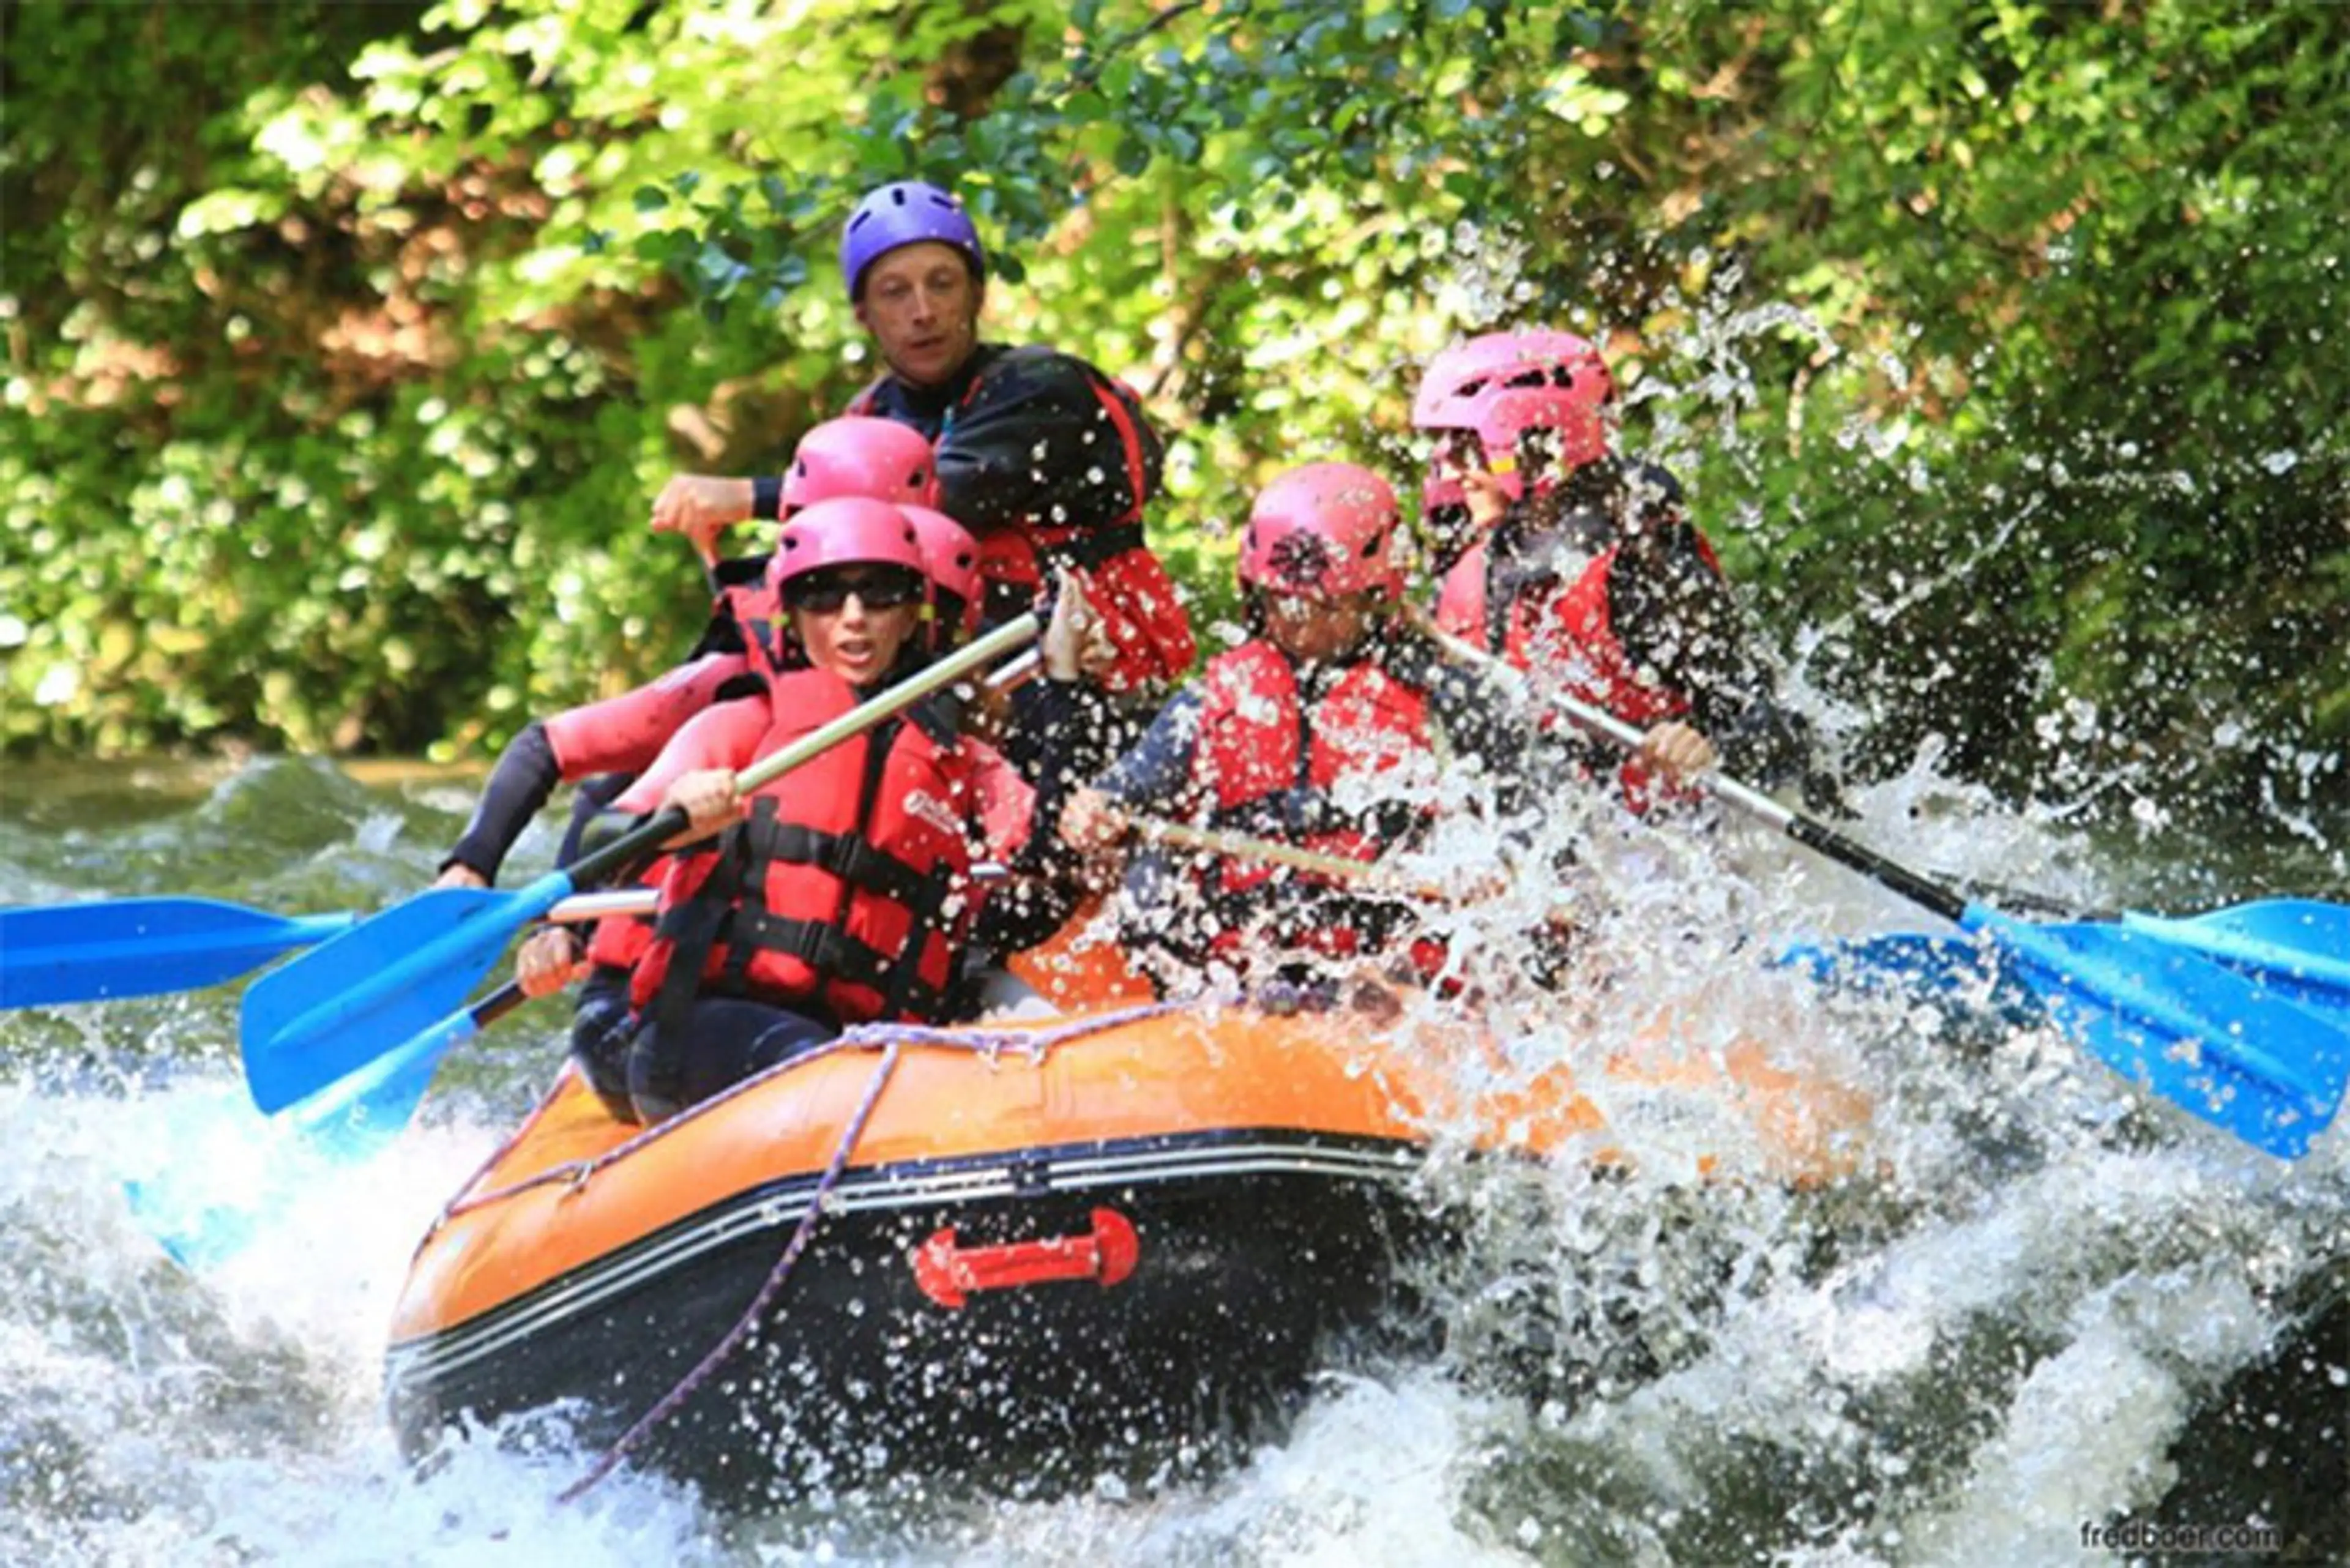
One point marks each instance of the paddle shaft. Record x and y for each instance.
(1016, 672)
(497, 1004)
(359, 996)
(1239, 846)
(2192, 1032)
(2304, 961)
(1804, 830)
(1175, 836)
(602, 864)
(581, 909)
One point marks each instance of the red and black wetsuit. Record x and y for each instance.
(1050, 465)
(1607, 586)
(1258, 747)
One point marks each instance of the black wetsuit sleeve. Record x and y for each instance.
(1036, 438)
(593, 799)
(1677, 615)
(1026, 909)
(1044, 890)
(1065, 733)
(1156, 773)
(519, 785)
(1056, 717)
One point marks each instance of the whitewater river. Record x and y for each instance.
(2040, 1311)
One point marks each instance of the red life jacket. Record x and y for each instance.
(1142, 613)
(619, 940)
(1571, 635)
(711, 738)
(757, 612)
(1268, 765)
(846, 887)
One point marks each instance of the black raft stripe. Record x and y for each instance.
(778, 1205)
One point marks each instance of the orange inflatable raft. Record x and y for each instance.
(1139, 1229)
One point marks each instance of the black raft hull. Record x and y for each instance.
(964, 1319)
(1130, 1240)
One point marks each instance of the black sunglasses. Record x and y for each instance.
(824, 592)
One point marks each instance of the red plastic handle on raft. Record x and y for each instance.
(948, 1274)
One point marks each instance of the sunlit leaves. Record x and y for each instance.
(2086, 260)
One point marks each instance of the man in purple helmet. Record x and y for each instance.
(1048, 462)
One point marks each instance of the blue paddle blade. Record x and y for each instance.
(207, 1205)
(141, 947)
(2298, 947)
(195, 1238)
(337, 1009)
(366, 1108)
(346, 1124)
(1958, 974)
(2212, 1042)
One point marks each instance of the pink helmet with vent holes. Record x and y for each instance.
(1324, 530)
(953, 565)
(847, 530)
(1499, 386)
(879, 460)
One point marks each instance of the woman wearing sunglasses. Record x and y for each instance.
(841, 892)
(607, 747)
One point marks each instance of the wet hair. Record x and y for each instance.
(1623, 498)
(1613, 501)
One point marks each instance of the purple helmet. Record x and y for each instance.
(905, 213)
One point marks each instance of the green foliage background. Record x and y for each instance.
(2002, 342)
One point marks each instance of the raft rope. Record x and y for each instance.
(890, 1039)
(801, 1234)
(991, 1043)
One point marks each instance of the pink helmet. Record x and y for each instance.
(953, 565)
(1503, 384)
(880, 458)
(1324, 530)
(845, 531)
